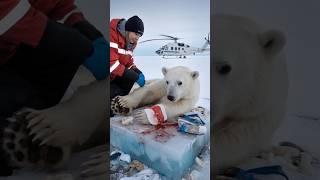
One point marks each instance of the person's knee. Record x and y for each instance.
(116, 90)
(65, 43)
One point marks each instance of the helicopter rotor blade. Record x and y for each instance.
(175, 38)
(153, 40)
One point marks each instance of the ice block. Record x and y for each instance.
(162, 148)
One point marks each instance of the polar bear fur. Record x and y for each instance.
(77, 117)
(183, 96)
(250, 89)
(46, 137)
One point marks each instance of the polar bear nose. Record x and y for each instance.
(171, 98)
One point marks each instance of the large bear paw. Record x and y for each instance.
(23, 152)
(121, 105)
(56, 126)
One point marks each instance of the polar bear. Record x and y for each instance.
(176, 93)
(45, 138)
(250, 89)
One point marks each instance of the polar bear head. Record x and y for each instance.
(246, 57)
(181, 83)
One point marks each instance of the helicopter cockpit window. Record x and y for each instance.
(188, 46)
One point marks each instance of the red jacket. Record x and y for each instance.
(120, 57)
(24, 21)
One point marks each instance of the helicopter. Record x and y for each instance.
(178, 49)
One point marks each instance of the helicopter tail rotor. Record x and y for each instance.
(207, 38)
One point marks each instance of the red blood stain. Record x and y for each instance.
(161, 135)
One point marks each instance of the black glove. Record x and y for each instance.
(127, 80)
(141, 79)
(136, 69)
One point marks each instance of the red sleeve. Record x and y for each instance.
(21, 23)
(67, 12)
(130, 63)
(6, 7)
(64, 11)
(116, 68)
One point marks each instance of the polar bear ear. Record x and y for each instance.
(164, 71)
(194, 74)
(272, 41)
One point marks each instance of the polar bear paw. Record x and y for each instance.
(121, 105)
(54, 126)
(23, 152)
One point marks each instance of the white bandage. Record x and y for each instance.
(156, 114)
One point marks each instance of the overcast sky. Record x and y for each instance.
(187, 19)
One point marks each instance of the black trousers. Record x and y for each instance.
(119, 88)
(38, 77)
(116, 90)
(43, 73)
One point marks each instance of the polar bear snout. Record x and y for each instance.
(173, 93)
(171, 98)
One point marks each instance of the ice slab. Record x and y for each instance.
(164, 149)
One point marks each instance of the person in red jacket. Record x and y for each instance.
(42, 44)
(124, 35)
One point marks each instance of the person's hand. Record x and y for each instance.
(97, 62)
(141, 80)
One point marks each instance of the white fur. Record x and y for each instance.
(250, 101)
(156, 91)
(80, 114)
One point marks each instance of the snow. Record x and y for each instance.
(302, 132)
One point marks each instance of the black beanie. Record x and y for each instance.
(135, 24)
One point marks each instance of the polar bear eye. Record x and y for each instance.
(224, 69)
(179, 83)
(167, 82)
